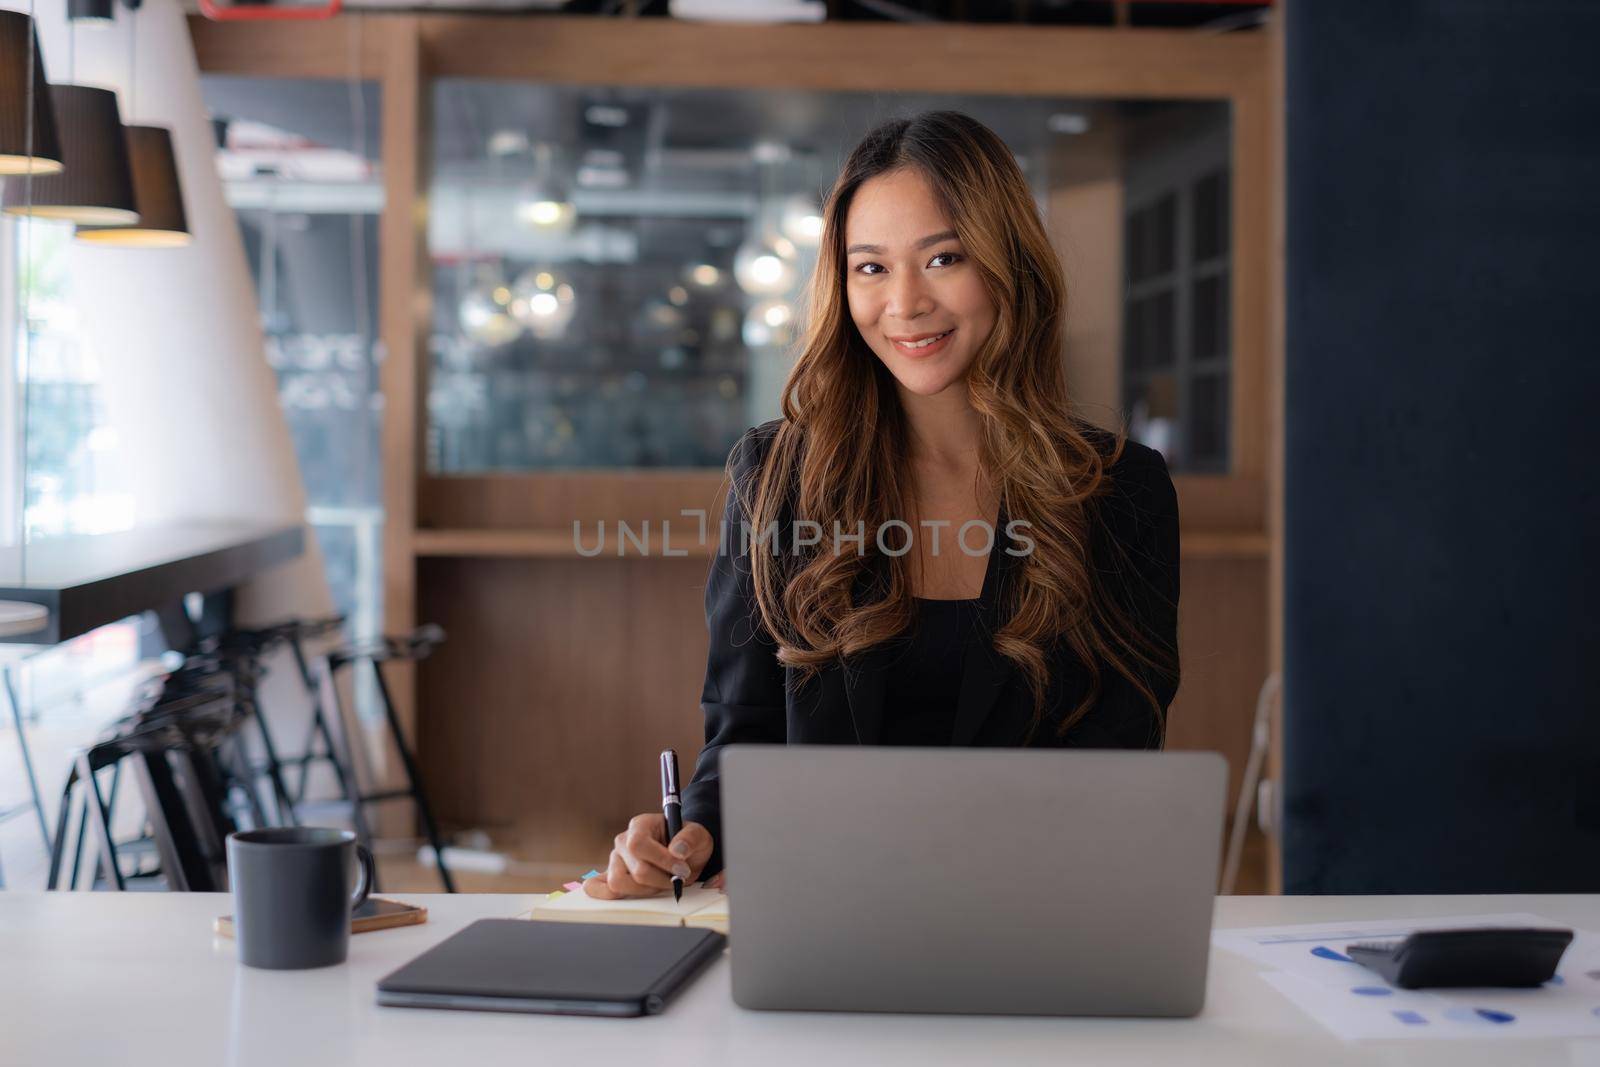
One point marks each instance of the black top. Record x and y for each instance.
(919, 703)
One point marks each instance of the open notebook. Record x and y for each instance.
(700, 906)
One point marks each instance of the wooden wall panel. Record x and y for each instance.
(556, 500)
(542, 716)
(1222, 642)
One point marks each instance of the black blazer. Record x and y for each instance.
(750, 697)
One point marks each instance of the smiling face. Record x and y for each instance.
(914, 295)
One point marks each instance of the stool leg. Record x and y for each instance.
(27, 759)
(101, 821)
(280, 791)
(424, 809)
(59, 846)
(182, 860)
(77, 844)
(339, 752)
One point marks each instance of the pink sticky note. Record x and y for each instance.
(573, 887)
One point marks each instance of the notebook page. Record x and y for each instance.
(714, 916)
(579, 906)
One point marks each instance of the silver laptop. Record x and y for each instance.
(990, 881)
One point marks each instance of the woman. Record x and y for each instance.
(927, 406)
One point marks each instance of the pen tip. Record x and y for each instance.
(677, 890)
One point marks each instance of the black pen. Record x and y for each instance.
(671, 808)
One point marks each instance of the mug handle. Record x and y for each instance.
(369, 874)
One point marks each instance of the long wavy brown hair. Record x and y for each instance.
(840, 453)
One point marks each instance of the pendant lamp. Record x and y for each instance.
(157, 192)
(21, 149)
(96, 186)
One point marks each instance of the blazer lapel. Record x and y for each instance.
(984, 672)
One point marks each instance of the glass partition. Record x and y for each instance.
(617, 271)
(300, 161)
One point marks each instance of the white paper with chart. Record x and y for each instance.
(1308, 966)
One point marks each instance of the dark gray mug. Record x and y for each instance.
(293, 895)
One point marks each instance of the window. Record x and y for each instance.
(1176, 320)
(62, 464)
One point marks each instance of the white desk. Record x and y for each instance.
(138, 979)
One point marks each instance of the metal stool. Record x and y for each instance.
(183, 748)
(417, 645)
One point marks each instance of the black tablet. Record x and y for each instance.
(554, 968)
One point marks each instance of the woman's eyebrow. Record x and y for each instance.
(931, 239)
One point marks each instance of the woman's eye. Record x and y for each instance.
(875, 268)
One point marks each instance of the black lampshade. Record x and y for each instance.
(96, 186)
(19, 43)
(157, 192)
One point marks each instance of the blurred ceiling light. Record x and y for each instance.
(761, 269)
(770, 152)
(507, 143)
(602, 177)
(770, 323)
(546, 214)
(664, 315)
(705, 275)
(544, 204)
(605, 115)
(1068, 122)
(678, 295)
(543, 301)
(801, 220)
(484, 321)
(27, 142)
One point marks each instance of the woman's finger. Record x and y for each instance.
(613, 884)
(599, 887)
(644, 843)
(692, 848)
(644, 873)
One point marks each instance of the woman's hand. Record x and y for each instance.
(643, 861)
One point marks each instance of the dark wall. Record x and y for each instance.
(1442, 463)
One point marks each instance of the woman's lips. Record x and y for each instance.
(922, 349)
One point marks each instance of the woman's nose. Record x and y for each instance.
(908, 297)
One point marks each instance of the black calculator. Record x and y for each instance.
(1484, 957)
